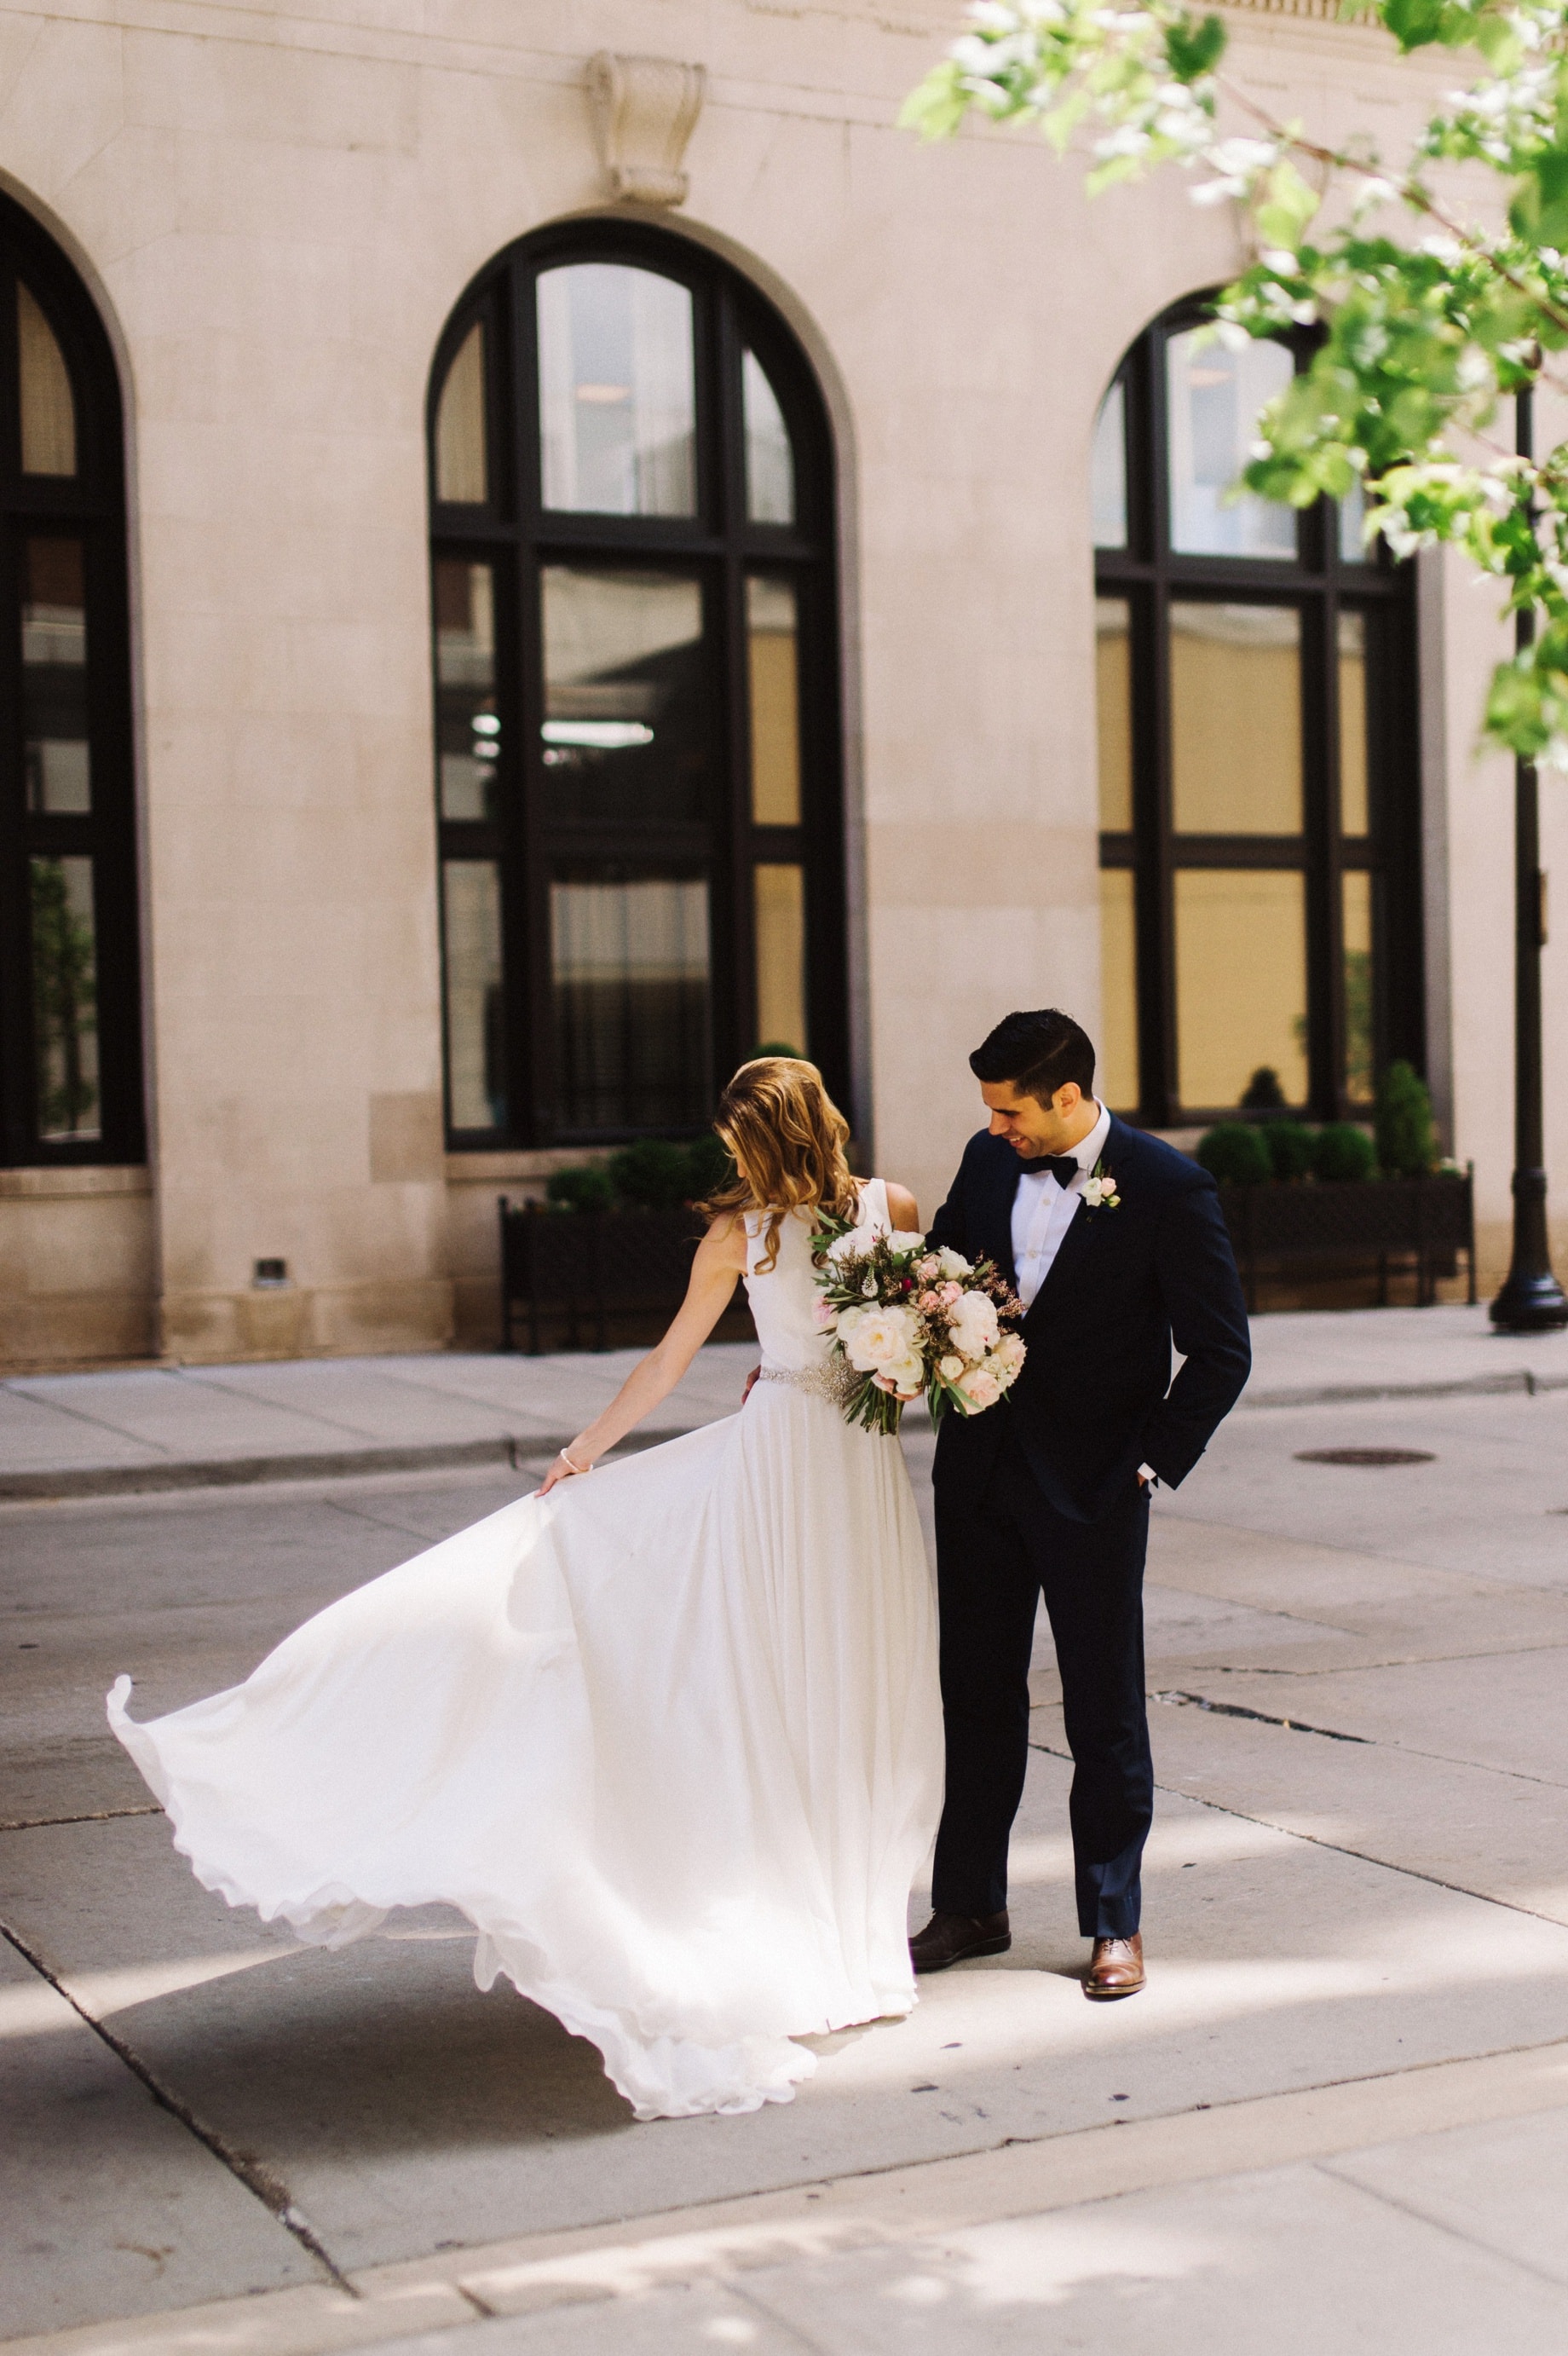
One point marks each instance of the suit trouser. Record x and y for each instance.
(997, 1550)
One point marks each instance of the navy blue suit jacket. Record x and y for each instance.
(1095, 1399)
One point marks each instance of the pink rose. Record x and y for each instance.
(981, 1389)
(824, 1316)
(928, 1267)
(951, 1292)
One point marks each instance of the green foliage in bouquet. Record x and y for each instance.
(906, 1319)
(1406, 1137)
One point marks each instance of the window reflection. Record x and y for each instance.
(616, 402)
(1241, 982)
(780, 912)
(1108, 471)
(475, 1043)
(1117, 1080)
(1354, 813)
(56, 753)
(1214, 397)
(49, 410)
(772, 655)
(629, 966)
(462, 465)
(770, 461)
(1113, 688)
(626, 705)
(1235, 719)
(1356, 902)
(467, 726)
(65, 999)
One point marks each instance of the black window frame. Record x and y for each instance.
(89, 506)
(1320, 584)
(515, 533)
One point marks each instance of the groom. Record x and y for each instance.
(1115, 1245)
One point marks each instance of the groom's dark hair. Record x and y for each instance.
(1039, 1053)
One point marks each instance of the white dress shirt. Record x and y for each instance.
(1043, 1211)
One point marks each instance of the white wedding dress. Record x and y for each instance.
(669, 1737)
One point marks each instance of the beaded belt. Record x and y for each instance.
(831, 1379)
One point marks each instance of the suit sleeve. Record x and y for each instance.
(1197, 1273)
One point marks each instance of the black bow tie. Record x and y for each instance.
(1064, 1167)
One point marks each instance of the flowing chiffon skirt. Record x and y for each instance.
(670, 1738)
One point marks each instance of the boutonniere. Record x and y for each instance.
(1099, 1188)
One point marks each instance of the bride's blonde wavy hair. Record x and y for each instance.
(788, 1137)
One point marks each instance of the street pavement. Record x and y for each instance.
(1337, 2117)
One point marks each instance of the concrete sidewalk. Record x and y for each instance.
(198, 1426)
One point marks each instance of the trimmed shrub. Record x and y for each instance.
(583, 1187)
(1290, 1145)
(1264, 1093)
(773, 1047)
(1407, 1141)
(1343, 1151)
(1235, 1154)
(653, 1174)
(708, 1166)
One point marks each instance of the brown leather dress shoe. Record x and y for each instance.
(1115, 1968)
(954, 1938)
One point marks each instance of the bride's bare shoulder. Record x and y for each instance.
(725, 1243)
(903, 1207)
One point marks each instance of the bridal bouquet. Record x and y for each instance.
(906, 1320)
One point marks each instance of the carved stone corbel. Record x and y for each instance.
(645, 110)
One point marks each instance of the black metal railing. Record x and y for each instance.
(591, 1279)
(1374, 1226)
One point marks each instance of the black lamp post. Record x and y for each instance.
(1532, 1299)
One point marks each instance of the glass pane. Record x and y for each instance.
(462, 466)
(1108, 471)
(629, 963)
(770, 461)
(468, 731)
(1235, 719)
(1352, 515)
(48, 412)
(1214, 398)
(781, 959)
(1241, 983)
(54, 679)
(628, 707)
(476, 1041)
(1118, 1082)
(616, 404)
(1353, 806)
(1114, 690)
(1357, 918)
(65, 999)
(771, 647)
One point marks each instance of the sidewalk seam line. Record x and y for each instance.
(259, 2181)
(1337, 1849)
(1438, 2224)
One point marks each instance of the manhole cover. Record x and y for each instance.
(1365, 1456)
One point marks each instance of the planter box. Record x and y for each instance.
(1372, 1227)
(597, 1280)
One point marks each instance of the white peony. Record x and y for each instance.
(954, 1264)
(1010, 1354)
(980, 1389)
(904, 1239)
(972, 1323)
(950, 1367)
(902, 1375)
(881, 1338)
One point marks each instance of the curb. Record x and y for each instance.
(1353, 1393)
(517, 1451)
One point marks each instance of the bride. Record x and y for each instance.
(668, 1735)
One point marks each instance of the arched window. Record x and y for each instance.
(636, 662)
(70, 1086)
(1259, 847)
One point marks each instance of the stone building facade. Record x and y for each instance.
(555, 544)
